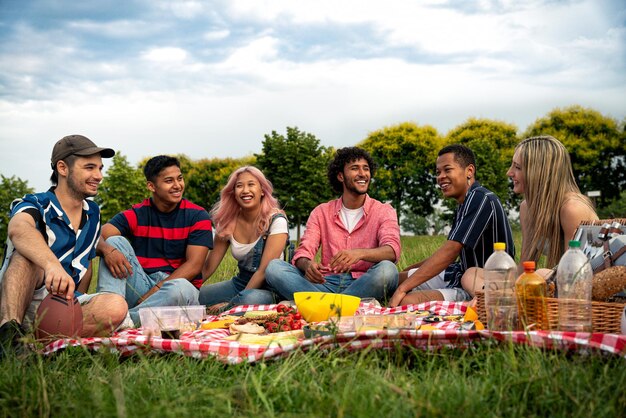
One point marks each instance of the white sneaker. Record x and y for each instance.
(126, 323)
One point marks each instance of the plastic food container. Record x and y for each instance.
(381, 322)
(170, 321)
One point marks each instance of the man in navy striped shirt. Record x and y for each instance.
(479, 222)
(153, 252)
(51, 241)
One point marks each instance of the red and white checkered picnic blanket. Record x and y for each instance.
(211, 343)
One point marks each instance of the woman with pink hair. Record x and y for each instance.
(248, 219)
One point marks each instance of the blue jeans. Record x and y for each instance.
(177, 292)
(234, 290)
(379, 282)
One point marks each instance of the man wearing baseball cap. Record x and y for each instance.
(52, 239)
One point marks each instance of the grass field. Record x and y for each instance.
(484, 380)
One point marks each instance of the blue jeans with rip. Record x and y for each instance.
(379, 282)
(177, 292)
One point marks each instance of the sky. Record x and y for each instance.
(211, 78)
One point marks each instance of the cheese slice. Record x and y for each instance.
(222, 323)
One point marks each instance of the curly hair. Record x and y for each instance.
(344, 156)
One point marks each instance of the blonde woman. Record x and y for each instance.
(249, 221)
(553, 205)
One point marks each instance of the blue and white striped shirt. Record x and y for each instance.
(74, 249)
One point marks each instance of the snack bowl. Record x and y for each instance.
(170, 321)
(320, 306)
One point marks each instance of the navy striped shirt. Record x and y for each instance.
(160, 239)
(74, 249)
(479, 222)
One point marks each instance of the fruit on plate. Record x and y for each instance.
(287, 319)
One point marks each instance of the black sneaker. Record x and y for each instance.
(10, 335)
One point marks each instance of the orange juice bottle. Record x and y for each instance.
(531, 290)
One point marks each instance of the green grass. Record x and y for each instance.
(485, 380)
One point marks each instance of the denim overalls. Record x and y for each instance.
(234, 290)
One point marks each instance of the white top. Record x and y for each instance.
(239, 251)
(350, 217)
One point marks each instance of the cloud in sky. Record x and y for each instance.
(210, 78)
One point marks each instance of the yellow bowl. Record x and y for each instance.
(319, 306)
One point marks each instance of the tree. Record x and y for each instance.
(296, 165)
(597, 147)
(11, 188)
(405, 155)
(122, 187)
(615, 209)
(493, 142)
(206, 178)
(433, 224)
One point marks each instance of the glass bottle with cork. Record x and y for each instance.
(531, 291)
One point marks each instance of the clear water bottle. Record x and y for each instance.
(500, 302)
(574, 278)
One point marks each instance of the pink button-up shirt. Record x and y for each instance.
(377, 227)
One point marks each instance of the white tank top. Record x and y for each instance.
(239, 251)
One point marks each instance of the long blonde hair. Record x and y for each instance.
(226, 210)
(549, 182)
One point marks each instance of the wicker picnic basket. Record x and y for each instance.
(622, 221)
(605, 317)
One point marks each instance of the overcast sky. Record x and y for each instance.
(211, 78)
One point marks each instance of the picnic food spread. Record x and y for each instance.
(280, 324)
(218, 343)
(281, 319)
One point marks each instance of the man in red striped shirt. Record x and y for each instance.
(153, 253)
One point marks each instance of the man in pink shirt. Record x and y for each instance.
(359, 236)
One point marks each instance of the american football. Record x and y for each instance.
(58, 317)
